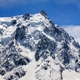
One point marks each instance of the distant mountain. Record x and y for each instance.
(32, 47)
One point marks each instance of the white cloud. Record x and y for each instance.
(73, 31)
(75, 2)
(66, 1)
(6, 3)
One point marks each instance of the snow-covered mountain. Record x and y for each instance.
(32, 47)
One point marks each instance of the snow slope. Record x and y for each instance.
(71, 75)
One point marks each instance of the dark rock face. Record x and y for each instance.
(18, 73)
(43, 13)
(21, 61)
(52, 55)
(64, 57)
(8, 65)
(51, 31)
(76, 44)
(42, 47)
(26, 16)
(13, 22)
(58, 34)
(1, 31)
(13, 59)
(65, 46)
(2, 72)
(20, 33)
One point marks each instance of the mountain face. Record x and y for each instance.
(32, 47)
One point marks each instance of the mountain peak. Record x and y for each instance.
(33, 45)
(42, 12)
(26, 16)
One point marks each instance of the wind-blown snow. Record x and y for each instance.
(70, 75)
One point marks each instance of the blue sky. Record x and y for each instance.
(61, 12)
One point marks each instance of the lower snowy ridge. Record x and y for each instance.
(35, 73)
